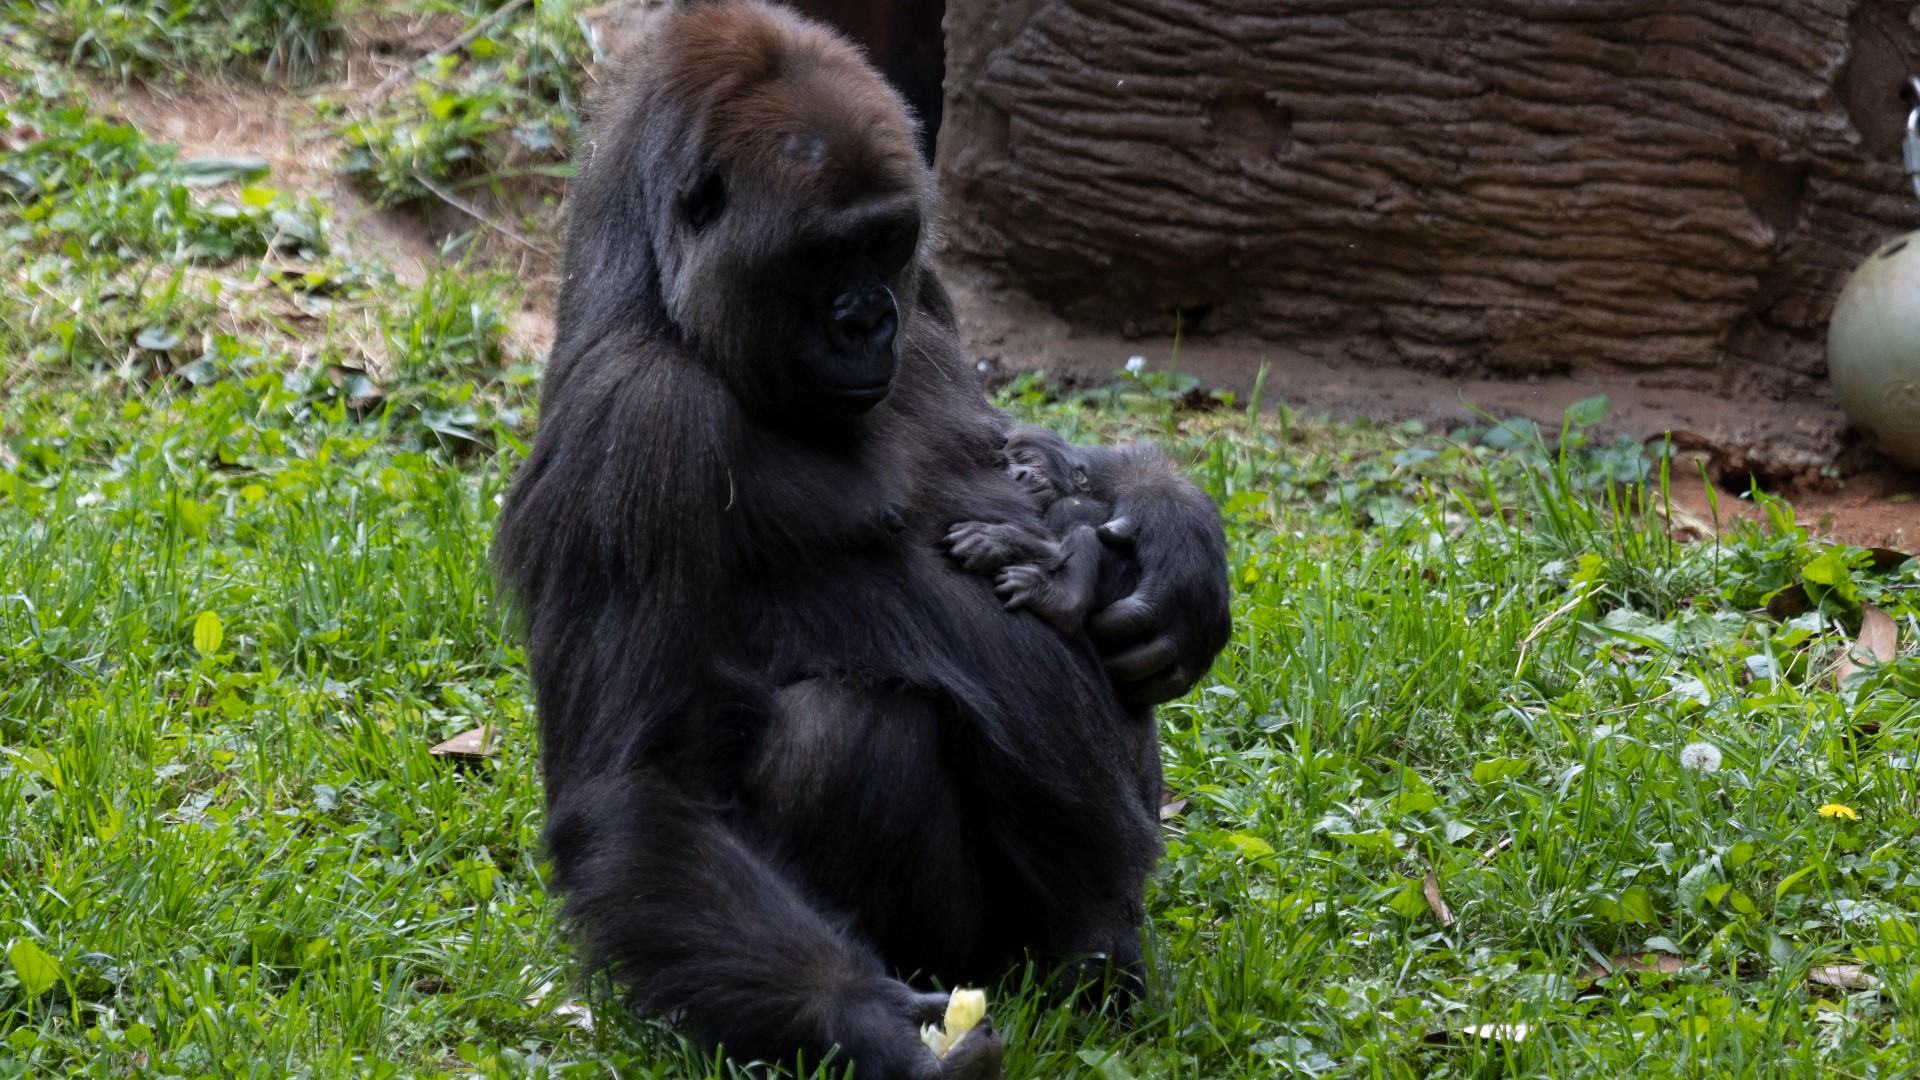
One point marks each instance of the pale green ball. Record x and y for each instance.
(1873, 348)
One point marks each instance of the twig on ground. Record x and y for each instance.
(1581, 596)
(476, 213)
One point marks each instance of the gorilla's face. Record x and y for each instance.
(840, 283)
(794, 240)
(1044, 464)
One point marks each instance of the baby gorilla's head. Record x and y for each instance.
(1045, 464)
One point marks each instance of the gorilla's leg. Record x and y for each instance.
(704, 926)
(848, 783)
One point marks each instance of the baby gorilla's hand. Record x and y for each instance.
(983, 547)
(1020, 585)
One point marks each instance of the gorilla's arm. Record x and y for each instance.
(1160, 640)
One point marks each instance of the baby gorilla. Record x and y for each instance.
(1062, 573)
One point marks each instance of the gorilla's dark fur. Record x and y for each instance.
(791, 749)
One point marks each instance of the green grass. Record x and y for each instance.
(244, 588)
(167, 39)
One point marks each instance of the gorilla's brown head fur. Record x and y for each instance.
(754, 188)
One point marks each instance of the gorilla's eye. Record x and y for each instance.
(893, 249)
(701, 206)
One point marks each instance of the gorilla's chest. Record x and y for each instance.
(900, 614)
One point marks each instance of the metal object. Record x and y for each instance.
(1913, 136)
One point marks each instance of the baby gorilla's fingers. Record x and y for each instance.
(979, 546)
(960, 533)
(1017, 585)
(976, 1056)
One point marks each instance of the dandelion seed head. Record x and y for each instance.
(1700, 757)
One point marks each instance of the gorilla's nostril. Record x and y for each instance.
(862, 320)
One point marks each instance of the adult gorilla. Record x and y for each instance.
(790, 747)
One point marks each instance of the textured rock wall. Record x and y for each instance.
(1487, 186)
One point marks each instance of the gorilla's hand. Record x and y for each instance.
(983, 548)
(1160, 640)
(976, 1056)
(878, 1027)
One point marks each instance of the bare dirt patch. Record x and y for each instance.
(1871, 508)
(217, 117)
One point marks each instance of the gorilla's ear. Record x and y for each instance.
(1080, 481)
(702, 204)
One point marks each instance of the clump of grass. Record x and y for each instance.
(115, 237)
(173, 38)
(500, 111)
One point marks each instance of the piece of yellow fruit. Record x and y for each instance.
(965, 1008)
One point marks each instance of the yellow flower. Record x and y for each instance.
(1835, 810)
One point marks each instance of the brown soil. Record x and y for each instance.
(236, 118)
(1873, 508)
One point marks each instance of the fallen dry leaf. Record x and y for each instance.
(1878, 643)
(573, 1012)
(1885, 559)
(1431, 889)
(1844, 977)
(1789, 602)
(362, 393)
(1169, 811)
(1684, 525)
(468, 744)
(1664, 963)
(1506, 1033)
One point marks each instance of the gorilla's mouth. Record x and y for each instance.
(862, 322)
(857, 398)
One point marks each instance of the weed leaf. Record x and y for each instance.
(1108, 1064)
(36, 970)
(207, 634)
(1587, 411)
